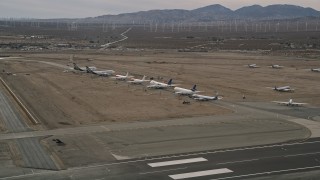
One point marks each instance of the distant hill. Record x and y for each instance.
(210, 13)
(276, 11)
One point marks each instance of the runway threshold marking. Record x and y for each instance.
(200, 173)
(176, 162)
(269, 173)
(152, 172)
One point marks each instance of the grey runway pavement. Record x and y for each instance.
(33, 154)
(12, 120)
(240, 163)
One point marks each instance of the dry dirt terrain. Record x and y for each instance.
(64, 99)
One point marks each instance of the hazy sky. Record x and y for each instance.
(90, 8)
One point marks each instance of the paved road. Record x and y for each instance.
(124, 37)
(239, 163)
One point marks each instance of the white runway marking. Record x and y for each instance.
(175, 162)
(163, 170)
(268, 173)
(200, 173)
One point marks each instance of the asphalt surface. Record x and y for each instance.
(240, 163)
(11, 118)
(32, 152)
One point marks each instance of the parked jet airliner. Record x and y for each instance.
(289, 103)
(122, 77)
(160, 85)
(183, 91)
(276, 66)
(76, 67)
(283, 89)
(100, 73)
(206, 98)
(138, 81)
(253, 66)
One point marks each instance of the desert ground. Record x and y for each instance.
(61, 98)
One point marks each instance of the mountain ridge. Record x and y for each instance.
(211, 13)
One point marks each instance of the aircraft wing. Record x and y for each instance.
(298, 104)
(281, 102)
(288, 90)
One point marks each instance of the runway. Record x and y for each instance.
(32, 152)
(240, 163)
(11, 118)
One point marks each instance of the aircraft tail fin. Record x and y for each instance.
(89, 70)
(76, 67)
(144, 78)
(290, 101)
(194, 88)
(170, 82)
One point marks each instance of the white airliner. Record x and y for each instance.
(253, 66)
(183, 91)
(122, 77)
(283, 89)
(206, 98)
(76, 67)
(315, 70)
(100, 73)
(160, 85)
(138, 81)
(276, 66)
(289, 103)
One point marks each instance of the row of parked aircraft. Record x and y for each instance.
(276, 66)
(152, 83)
(193, 92)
